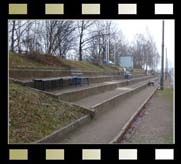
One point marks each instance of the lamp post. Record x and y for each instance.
(162, 61)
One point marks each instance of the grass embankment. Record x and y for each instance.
(52, 62)
(166, 94)
(18, 61)
(33, 115)
(138, 70)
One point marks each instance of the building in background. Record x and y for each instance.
(126, 61)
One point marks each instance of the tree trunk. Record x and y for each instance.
(12, 36)
(80, 53)
(80, 45)
(80, 42)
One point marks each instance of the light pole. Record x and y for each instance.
(162, 64)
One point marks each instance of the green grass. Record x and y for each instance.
(52, 62)
(168, 138)
(167, 93)
(33, 115)
(18, 61)
(87, 66)
(138, 70)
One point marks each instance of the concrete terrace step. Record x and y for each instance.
(104, 128)
(92, 101)
(75, 94)
(110, 99)
(92, 79)
(29, 73)
(100, 79)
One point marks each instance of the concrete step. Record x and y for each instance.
(95, 100)
(92, 79)
(100, 79)
(75, 94)
(104, 128)
(101, 102)
(30, 73)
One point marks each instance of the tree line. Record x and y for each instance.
(92, 40)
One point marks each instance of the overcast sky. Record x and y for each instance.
(130, 28)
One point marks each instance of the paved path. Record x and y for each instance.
(104, 128)
(156, 124)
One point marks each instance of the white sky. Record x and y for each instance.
(130, 28)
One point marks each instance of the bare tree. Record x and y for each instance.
(145, 52)
(12, 35)
(95, 40)
(65, 38)
(82, 27)
(50, 35)
(59, 37)
(17, 29)
(32, 36)
(102, 44)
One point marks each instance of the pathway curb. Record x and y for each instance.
(109, 103)
(129, 122)
(63, 131)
